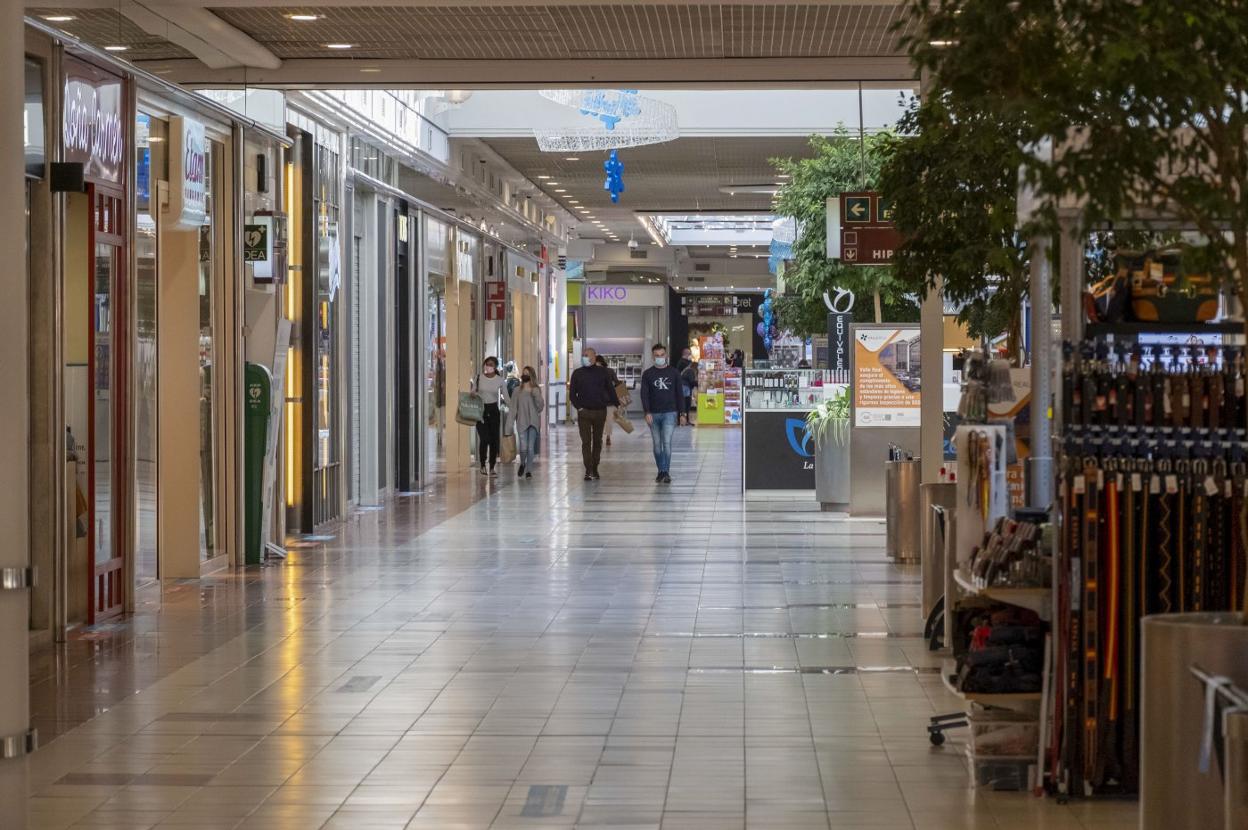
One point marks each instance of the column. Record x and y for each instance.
(932, 382)
(14, 426)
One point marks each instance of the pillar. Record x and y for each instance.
(14, 426)
(932, 383)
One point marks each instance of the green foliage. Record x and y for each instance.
(1147, 102)
(839, 164)
(952, 174)
(829, 421)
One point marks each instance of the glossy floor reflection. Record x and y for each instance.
(544, 653)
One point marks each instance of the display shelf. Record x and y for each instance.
(1038, 600)
(1133, 327)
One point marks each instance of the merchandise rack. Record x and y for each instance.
(1067, 765)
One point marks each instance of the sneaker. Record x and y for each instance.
(481, 469)
(492, 473)
(528, 475)
(589, 476)
(658, 478)
(595, 475)
(667, 479)
(520, 471)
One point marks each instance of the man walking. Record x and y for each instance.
(663, 401)
(591, 392)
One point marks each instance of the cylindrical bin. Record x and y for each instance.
(901, 510)
(935, 497)
(1174, 793)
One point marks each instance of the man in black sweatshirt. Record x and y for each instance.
(664, 402)
(591, 392)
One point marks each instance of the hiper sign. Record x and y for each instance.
(188, 172)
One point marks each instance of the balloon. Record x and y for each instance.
(775, 332)
(767, 343)
(761, 329)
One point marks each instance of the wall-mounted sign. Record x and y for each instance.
(867, 234)
(264, 246)
(91, 123)
(886, 377)
(495, 300)
(256, 241)
(625, 295)
(188, 172)
(779, 451)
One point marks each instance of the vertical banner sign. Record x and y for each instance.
(188, 173)
(495, 300)
(867, 233)
(886, 377)
(91, 125)
(840, 317)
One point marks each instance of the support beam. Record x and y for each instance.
(932, 383)
(1043, 359)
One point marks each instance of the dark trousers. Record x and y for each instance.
(591, 423)
(488, 435)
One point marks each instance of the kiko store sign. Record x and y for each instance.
(653, 296)
(92, 122)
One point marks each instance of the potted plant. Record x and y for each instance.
(828, 424)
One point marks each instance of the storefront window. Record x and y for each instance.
(207, 420)
(328, 280)
(150, 166)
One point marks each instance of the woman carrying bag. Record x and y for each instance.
(492, 387)
(528, 408)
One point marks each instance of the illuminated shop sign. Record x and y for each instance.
(188, 172)
(92, 124)
(624, 295)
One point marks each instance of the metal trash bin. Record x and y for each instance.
(901, 510)
(937, 498)
(1174, 794)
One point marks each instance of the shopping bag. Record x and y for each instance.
(471, 409)
(507, 449)
(621, 393)
(622, 420)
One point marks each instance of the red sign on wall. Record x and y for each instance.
(496, 291)
(495, 310)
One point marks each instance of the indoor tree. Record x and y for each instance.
(1146, 104)
(840, 163)
(952, 176)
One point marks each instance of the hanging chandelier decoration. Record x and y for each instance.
(625, 118)
(615, 176)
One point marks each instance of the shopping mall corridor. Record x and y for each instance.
(555, 654)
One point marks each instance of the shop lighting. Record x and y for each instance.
(371, 69)
(543, 177)
(60, 18)
(573, 158)
(942, 43)
(116, 47)
(560, 190)
(304, 18)
(339, 45)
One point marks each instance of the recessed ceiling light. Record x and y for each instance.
(116, 48)
(560, 190)
(573, 202)
(371, 69)
(573, 158)
(304, 18)
(60, 18)
(339, 45)
(941, 42)
(543, 177)
(552, 184)
(782, 176)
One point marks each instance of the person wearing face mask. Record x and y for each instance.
(663, 401)
(590, 390)
(492, 387)
(528, 408)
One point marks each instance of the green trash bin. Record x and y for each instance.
(258, 393)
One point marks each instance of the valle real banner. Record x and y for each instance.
(886, 377)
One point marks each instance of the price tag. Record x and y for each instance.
(1154, 484)
(1211, 486)
(1172, 484)
(1226, 488)
(1118, 481)
(1100, 479)
(1081, 486)
(1137, 482)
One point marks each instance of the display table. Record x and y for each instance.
(778, 452)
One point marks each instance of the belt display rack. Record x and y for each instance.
(1153, 485)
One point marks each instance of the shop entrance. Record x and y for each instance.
(95, 394)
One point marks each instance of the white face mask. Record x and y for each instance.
(660, 361)
(489, 370)
(585, 361)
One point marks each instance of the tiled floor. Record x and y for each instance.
(559, 654)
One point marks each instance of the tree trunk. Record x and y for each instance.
(879, 312)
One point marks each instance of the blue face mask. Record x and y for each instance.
(585, 361)
(660, 361)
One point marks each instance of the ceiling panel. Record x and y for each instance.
(680, 175)
(568, 32)
(105, 27)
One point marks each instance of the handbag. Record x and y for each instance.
(471, 409)
(1163, 290)
(622, 420)
(507, 449)
(1107, 300)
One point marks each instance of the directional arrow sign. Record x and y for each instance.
(858, 209)
(886, 209)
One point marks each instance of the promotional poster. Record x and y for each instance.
(886, 377)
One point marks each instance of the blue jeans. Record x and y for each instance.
(529, 440)
(664, 424)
